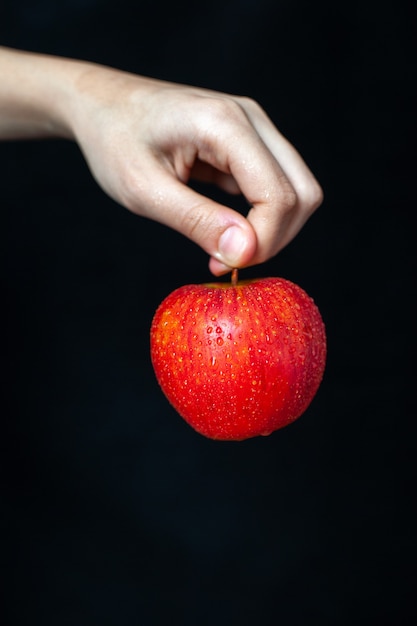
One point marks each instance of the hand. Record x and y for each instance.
(144, 139)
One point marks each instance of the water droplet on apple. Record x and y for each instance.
(219, 341)
(213, 360)
(209, 329)
(218, 330)
(229, 336)
(209, 342)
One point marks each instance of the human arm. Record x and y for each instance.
(144, 140)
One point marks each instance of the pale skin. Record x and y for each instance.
(144, 139)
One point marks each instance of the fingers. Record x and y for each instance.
(308, 191)
(269, 172)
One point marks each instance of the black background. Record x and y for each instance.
(114, 510)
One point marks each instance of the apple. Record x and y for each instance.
(239, 359)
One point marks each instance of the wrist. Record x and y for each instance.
(38, 92)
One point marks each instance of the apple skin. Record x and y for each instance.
(239, 360)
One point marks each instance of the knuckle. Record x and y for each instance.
(219, 111)
(196, 223)
(311, 196)
(191, 223)
(287, 199)
(249, 104)
(317, 196)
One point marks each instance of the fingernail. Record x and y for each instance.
(232, 244)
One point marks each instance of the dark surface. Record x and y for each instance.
(115, 511)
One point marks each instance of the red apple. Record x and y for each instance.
(239, 360)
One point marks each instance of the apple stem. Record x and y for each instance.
(234, 277)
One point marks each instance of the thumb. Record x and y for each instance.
(223, 233)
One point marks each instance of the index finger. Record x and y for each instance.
(236, 147)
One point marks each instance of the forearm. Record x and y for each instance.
(36, 92)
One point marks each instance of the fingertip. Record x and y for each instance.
(236, 247)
